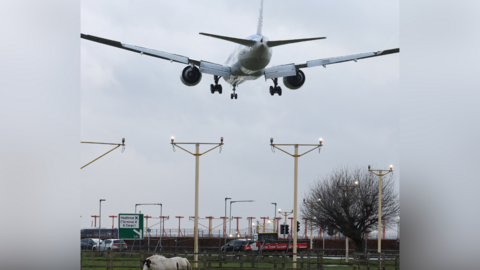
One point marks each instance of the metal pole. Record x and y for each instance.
(346, 249)
(225, 221)
(295, 209)
(161, 232)
(275, 219)
(230, 220)
(379, 212)
(197, 161)
(311, 232)
(100, 221)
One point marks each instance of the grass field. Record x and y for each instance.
(123, 260)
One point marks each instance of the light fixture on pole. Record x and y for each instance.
(296, 156)
(230, 216)
(197, 155)
(117, 144)
(380, 174)
(100, 221)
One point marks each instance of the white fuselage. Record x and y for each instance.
(247, 63)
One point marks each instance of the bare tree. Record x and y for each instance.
(349, 208)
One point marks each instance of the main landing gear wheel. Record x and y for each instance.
(275, 89)
(216, 87)
(233, 95)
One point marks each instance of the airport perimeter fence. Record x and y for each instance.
(217, 260)
(245, 233)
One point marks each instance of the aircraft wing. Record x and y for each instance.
(205, 67)
(291, 69)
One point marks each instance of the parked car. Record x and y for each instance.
(89, 243)
(112, 244)
(235, 245)
(228, 246)
(240, 245)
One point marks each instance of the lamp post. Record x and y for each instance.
(100, 220)
(346, 189)
(398, 227)
(230, 216)
(296, 156)
(311, 222)
(197, 155)
(152, 204)
(275, 220)
(225, 221)
(380, 174)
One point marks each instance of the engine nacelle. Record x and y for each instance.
(294, 82)
(191, 76)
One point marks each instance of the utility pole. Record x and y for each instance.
(296, 156)
(380, 174)
(197, 155)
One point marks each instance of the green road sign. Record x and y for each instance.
(130, 226)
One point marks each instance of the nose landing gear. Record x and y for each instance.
(275, 88)
(217, 87)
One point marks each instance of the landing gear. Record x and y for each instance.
(275, 89)
(233, 95)
(217, 87)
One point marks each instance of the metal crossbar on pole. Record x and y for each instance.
(296, 155)
(117, 145)
(197, 155)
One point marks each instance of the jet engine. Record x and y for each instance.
(294, 82)
(191, 76)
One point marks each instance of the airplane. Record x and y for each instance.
(248, 61)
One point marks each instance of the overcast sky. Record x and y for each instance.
(352, 106)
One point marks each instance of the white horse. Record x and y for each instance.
(159, 262)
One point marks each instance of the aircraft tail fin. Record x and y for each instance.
(242, 41)
(260, 19)
(274, 43)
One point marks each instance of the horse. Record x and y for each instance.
(159, 262)
(183, 263)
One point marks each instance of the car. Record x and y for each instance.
(228, 246)
(112, 244)
(89, 243)
(235, 245)
(240, 245)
